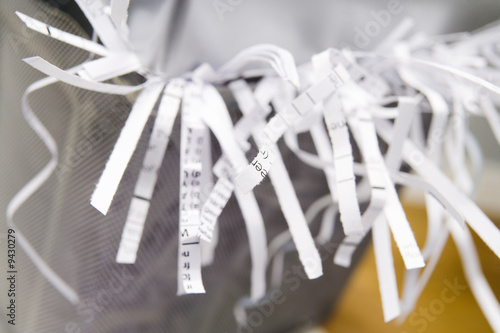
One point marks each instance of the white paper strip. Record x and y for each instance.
(242, 131)
(119, 12)
(374, 170)
(66, 77)
(416, 282)
(474, 217)
(491, 113)
(393, 210)
(132, 231)
(207, 185)
(257, 239)
(343, 161)
(213, 207)
(278, 124)
(148, 175)
(108, 67)
(289, 203)
(385, 269)
(95, 11)
(280, 59)
(124, 148)
(323, 147)
(402, 126)
(63, 36)
(193, 135)
(32, 186)
(217, 118)
(475, 277)
(308, 254)
(257, 170)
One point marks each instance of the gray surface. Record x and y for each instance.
(304, 27)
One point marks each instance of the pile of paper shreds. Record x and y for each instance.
(415, 92)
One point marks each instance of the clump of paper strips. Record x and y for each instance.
(339, 97)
